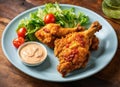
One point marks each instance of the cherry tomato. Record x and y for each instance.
(49, 18)
(21, 32)
(18, 41)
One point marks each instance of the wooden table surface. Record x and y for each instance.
(12, 77)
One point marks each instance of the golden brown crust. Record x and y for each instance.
(72, 46)
(50, 32)
(73, 50)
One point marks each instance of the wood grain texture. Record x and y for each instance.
(12, 77)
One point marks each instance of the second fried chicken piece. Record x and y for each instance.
(73, 50)
(50, 32)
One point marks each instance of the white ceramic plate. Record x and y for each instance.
(47, 71)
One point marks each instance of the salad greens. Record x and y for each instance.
(64, 17)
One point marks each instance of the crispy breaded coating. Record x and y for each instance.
(50, 32)
(73, 50)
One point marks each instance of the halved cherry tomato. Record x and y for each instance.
(49, 18)
(21, 32)
(18, 41)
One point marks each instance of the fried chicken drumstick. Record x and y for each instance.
(73, 50)
(50, 32)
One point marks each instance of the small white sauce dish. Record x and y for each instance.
(32, 53)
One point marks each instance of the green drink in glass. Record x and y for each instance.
(111, 8)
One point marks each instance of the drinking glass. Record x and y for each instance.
(111, 8)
